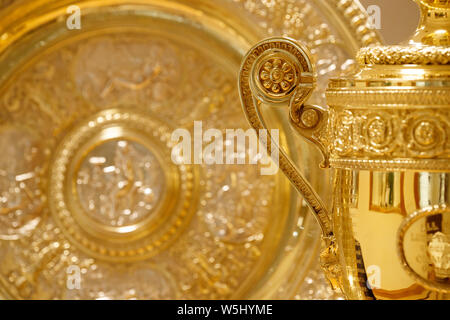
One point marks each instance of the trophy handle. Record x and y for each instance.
(279, 73)
(443, 246)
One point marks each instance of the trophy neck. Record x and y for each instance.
(434, 25)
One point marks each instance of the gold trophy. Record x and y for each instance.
(386, 138)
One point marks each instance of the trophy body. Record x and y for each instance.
(385, 139)
(367, 212)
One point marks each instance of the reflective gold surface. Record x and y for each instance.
(385, 138)
(367, 227)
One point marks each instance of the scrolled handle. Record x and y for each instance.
(278, 72)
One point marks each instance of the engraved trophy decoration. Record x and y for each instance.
(385, 137)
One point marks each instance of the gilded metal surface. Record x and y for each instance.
(369, 211)
(88, 184)
(102, 194)
(395, 138)
(397, 55)
(385, 137)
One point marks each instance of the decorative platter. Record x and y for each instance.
(91, 204)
